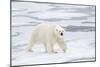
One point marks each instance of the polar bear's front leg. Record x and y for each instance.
(62, 44)
(49, 48)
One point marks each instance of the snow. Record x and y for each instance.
(80, 44)
(78, 47)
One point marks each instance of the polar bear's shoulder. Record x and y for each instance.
(49, 25)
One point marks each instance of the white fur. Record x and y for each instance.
(49, 35)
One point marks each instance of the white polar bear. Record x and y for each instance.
(49, 35)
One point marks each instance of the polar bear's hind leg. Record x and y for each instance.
(31, 44)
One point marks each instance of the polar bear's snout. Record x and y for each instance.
(61, 34)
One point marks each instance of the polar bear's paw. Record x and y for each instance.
(55, 52)
(64, 50)
(51, 52)
(29, 50)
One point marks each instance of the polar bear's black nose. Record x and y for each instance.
(61, 34)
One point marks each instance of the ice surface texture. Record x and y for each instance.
(77, 20)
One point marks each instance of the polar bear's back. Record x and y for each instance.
(43, 31)
(44, 27)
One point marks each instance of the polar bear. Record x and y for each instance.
(48, 34)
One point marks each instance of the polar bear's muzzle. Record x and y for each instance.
(61, 34)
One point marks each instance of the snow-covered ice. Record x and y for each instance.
(80, 43)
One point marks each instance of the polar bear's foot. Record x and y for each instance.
(51, 52)
(54, 52)
(29, 50)
(64, 50)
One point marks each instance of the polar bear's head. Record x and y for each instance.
(59, 31)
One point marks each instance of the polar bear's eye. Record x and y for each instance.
(56, 29)
(59, 31)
